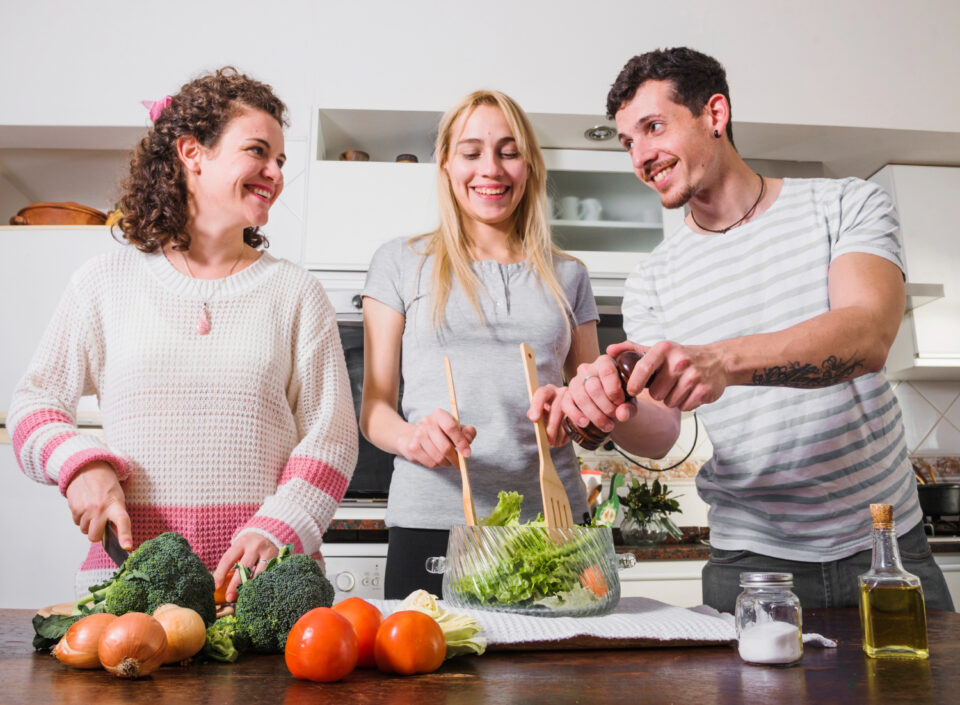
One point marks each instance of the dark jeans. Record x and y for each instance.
(831, 584)
(407, 554)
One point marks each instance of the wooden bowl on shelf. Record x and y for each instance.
(354, 155)
(67, 213)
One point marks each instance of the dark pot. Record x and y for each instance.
(939, 500)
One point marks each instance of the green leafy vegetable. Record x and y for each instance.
(532, 567)
(163, 569)
(270, 603)
(507, 511)
(221, 640)
(459, 630)
(49, 630)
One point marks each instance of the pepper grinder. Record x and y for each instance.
(592, 437)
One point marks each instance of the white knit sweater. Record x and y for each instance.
(249, 428)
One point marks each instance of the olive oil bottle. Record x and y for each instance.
(892, 612)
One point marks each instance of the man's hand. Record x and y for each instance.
(683, 377)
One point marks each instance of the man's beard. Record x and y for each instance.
(680, 200)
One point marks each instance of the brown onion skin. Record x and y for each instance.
(186, 632)
(133, 645)
(80, 645)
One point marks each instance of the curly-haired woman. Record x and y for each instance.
(227, 413)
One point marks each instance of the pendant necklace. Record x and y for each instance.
(742, 218)
(202, 326)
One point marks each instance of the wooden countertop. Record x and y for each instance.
(701, 675)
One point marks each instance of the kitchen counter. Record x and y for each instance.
(701, 675)
(693, 546)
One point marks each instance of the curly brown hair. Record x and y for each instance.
(695, 77)
(154, 200)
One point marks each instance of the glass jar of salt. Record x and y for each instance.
(769, 619)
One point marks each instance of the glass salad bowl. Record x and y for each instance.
(532, 570)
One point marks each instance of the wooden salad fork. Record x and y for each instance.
(556, 504)
(469, 511)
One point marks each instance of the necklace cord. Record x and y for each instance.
(235, 262)
(746, 215)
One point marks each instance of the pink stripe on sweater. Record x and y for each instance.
(32, 422)
(318, 474)
(76, 461)
(207, 529)
(52, 446)
(280, 530)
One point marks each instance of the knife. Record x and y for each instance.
(111, 544)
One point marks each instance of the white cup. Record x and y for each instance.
(589, 209)
(569, 208)
(551, 208)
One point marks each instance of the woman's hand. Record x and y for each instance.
(547, 400)
(95, 497)
(434, 440)
(250, 549)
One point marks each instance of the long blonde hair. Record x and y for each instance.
(450, 245)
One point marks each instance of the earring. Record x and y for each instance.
(716, 133)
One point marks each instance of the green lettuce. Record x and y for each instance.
(534, 567)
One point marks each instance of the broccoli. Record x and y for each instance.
(221, 644)
(269, 604)
(161, 570)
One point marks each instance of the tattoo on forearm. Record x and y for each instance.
(833, 370)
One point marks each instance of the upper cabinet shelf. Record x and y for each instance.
(841, 150)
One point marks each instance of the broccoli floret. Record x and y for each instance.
(161, 570)
(269, 604)
(221, 644)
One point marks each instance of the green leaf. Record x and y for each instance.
(49, 630)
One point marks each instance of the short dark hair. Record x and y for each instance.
(154, 200)
(695, 77)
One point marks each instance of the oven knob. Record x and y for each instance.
(357, 301)
(345, 582)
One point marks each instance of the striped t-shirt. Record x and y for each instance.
(794, 470)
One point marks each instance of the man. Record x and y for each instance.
(771, 311)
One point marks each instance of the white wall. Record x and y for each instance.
(877, 63)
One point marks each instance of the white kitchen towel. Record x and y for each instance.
(637, 618)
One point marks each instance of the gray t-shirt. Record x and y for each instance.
(794, 470)
(488, 375)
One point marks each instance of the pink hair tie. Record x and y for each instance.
(156, 106)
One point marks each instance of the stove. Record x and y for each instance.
(942, 527)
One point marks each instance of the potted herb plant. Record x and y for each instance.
(646, 510)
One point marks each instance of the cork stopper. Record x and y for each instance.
(882, 516)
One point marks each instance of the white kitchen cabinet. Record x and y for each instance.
(926, 197)
(354, 207)
(676, 582)
(631, 222)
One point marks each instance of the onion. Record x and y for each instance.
(132, 645)
(186, 632)
(78, 647)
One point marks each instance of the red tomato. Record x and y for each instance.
(321, 646)
(409, 642)
(365, 619)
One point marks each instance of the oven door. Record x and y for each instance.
(371, 477)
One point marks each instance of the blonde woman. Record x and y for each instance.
(488, 279)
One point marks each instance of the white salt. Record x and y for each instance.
(772, 642)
